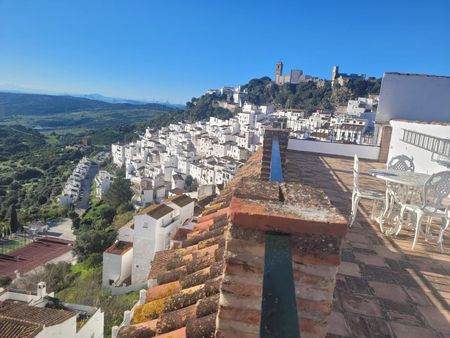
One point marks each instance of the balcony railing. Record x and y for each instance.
(439, 147)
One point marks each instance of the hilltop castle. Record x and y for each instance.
(343, 78)
(296, 76)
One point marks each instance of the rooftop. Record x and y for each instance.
(31, 314)
(177, 191)
(414, 74)
(156, 210)
(185, 300)
(16, 328)
(383, 288)
(33, 255)
(119, 248)
(181, 200)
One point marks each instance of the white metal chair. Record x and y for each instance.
(401, 162)
(397, 193)
(358, 194)
(435, 191)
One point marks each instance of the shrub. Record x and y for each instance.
(5, 281)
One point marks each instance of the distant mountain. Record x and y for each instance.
(37, 104)
(109, 99)
(64, 112)
(9, 88)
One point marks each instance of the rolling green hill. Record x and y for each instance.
(52, 112)
(33, 172)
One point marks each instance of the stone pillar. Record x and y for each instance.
(315, 229)
(114, 331)
(385, 142)
(127, 317)
(142, 296)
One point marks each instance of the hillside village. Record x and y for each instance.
(210, 169)
(203, 253)
(175, 171)
(210, 152)
(201, 201)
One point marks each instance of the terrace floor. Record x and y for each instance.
(383, 288)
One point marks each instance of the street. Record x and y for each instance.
(86, 184)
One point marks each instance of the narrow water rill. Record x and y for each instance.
(279, 309)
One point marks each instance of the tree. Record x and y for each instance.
(13, 222)
(5, 281)
(119, 192)
(93, 241)
(189, 180)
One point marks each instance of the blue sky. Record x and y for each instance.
(173, 50)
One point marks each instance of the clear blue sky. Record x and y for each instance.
(173, 50)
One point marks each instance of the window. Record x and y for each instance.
(145, 225)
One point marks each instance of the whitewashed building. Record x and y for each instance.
(38, 314)
(103, 181)
(117, 262)
(150, 231)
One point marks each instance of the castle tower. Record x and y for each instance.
(334, 74)
(278, 72)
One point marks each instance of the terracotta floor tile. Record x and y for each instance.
(349, 269)
(404, 313)
(389, 291)
(418, 296)
(361, 304)
(361, 326)
(408, 331)
(337, 325)
(437, 319)
(370, 259)
(359, 238)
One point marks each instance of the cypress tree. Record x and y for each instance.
(13, 222)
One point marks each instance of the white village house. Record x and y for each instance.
(129, 259)
(26, 314)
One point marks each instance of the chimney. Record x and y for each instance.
(281, 256)
(41, 290)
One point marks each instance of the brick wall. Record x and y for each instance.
(315, 229)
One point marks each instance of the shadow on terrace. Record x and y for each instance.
(383, 288)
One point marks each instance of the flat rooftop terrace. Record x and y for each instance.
(383, 288)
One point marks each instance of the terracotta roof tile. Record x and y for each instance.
(16, 328)
(179, 333)
(184, 302)
(44, 316)
(181, 234)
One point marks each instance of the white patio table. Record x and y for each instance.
(415, 182)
